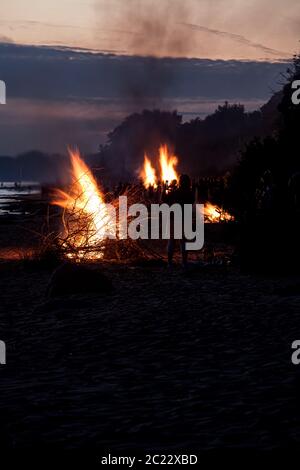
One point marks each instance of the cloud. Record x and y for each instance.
(238, 38)
(62, 73)
(31, 23)
(245, 30)
(60, 96)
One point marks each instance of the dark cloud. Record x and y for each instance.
(62, 73)
(58, 97)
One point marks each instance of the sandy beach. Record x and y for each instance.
(196, 359)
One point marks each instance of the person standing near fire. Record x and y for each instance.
(178, 194)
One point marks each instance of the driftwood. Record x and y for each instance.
(69, 235)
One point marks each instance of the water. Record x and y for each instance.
(12, 194)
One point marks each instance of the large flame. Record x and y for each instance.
(148, 174)
(167, 165)
(90, 221)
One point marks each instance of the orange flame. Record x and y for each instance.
(167, 165)
(214, 214)
(90, 222)
(148, 174)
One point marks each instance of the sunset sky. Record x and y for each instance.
(93, 71)
(235, 29)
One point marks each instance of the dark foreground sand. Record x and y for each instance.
(170, 360)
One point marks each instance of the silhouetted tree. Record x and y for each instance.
(205, 147)
(264, 189)
(210, 146)
(278, 153)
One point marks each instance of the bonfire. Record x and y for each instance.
(89, 227)
(168, 174)
(90, 230)
(167, 164)
(86, 220)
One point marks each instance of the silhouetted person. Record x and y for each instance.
(181, 194)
